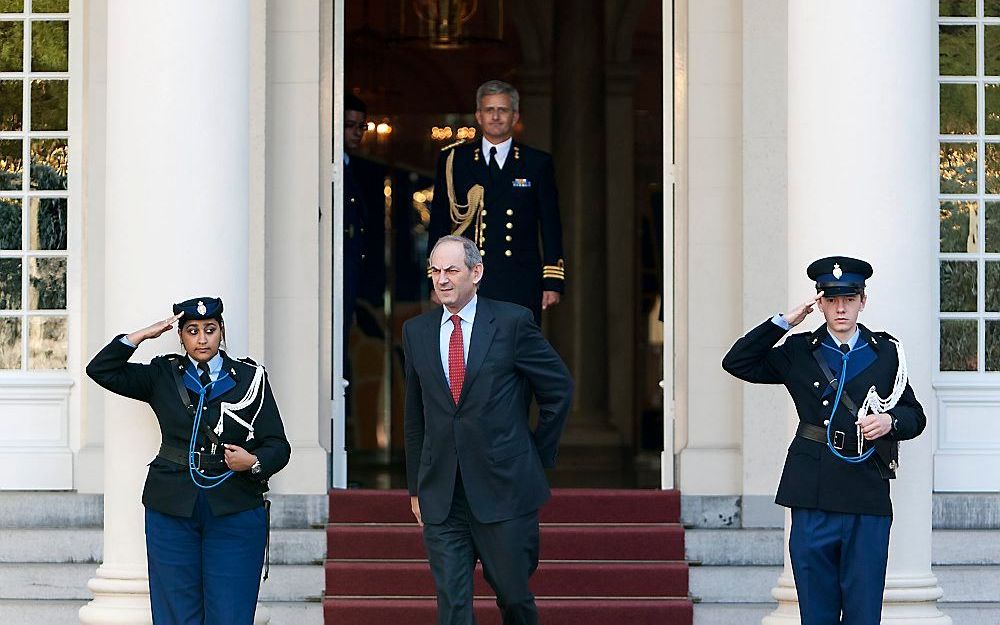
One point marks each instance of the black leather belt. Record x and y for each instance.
(811, 432)
(200, 461)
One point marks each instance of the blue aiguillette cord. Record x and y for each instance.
(195, 476)
(836, 402)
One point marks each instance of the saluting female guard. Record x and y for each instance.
(222, 438)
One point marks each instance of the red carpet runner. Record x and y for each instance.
(607, 557)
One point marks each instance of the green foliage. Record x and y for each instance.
(11, 103)
(10, 283)
(992, 345)
(11, 46)
(10, 224)
(958, 109)
(959, 345)
(49, 161)
(49, 104)
(957, 50)
(50, 226)
(958, 286)
(48, 283)
(958, 168)
(50, 46)
(50, 6)
(958, 227)
(957, 8)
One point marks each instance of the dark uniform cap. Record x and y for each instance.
(199, 308)
(839, 275)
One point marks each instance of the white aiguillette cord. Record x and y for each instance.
(255, 391)
(878, 405)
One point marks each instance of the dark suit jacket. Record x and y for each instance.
(487, 433)
(169, 488)
(813, 477)
(525, 197)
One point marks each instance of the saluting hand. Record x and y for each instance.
(795, 316)
(153, 331)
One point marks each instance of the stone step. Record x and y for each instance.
(763, 547)
(728, 614)
(81, 510)
(753, 584)
(55, 612)
(288, 546)
(287, 582)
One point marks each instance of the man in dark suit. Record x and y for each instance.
(511, 188)
(474, 469)
(854, 403)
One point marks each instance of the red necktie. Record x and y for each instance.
(456, 359)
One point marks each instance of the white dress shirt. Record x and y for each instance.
(468, 315)
(503, 149)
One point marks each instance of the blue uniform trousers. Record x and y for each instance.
(205, 570)
(839, 563)
(507, 549)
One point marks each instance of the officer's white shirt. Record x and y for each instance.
(503, 149)
(468, 315)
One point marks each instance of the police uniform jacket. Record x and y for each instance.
(520, 208)
(169, 488)
(813, 477)
(487, 435)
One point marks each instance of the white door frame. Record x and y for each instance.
(669, 180)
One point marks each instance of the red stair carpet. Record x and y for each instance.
(607, 557)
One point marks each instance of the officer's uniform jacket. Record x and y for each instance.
(519, 209)
(813, 477)
(169, 488)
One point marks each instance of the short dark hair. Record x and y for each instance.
(354, 103)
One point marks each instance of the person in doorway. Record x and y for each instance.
(222, 438)
(850, 390)
(510, 187)
(474, 469)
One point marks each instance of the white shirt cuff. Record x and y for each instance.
(779, 320)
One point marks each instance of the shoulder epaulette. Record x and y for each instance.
(453, 145)
(247, 361)
(170, 356)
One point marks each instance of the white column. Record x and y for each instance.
(292, 303)
(176, 227)
(862, 166)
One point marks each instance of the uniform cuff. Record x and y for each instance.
(779, 320)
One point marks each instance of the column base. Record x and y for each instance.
(908, 600)
(121, 597)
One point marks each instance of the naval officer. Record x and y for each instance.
(501, 194)
(850, 389)
(222, 438)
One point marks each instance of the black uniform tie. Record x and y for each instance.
(205, 378)
(494, 165)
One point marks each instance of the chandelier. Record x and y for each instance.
(449, 23)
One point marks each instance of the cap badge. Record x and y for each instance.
(202, 310)
(837, 271)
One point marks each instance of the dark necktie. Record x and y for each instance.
(205, 378)
(456, 359)
(494, 165)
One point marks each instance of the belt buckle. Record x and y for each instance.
(191, 461)
(838, 440)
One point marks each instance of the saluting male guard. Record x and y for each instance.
(501, 194)
(850, 390)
